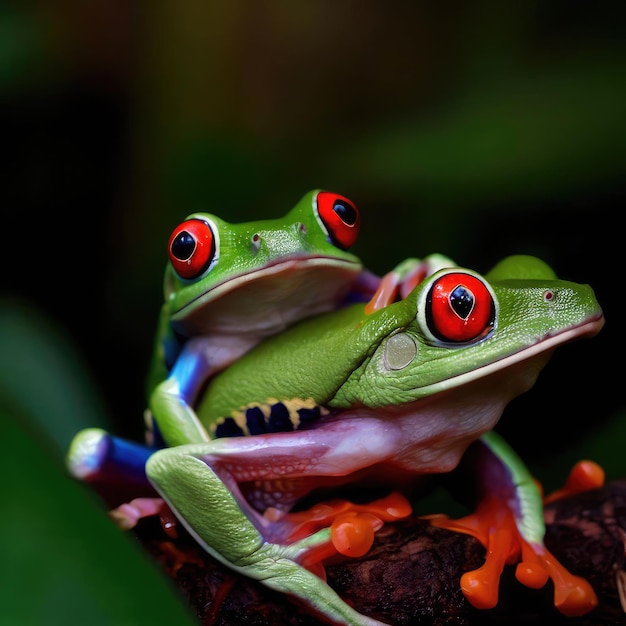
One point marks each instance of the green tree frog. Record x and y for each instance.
(229, 285)
(378, 395)
(226, 287)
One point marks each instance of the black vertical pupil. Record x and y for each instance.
(346, 212)
(462, 301)
(183, 246)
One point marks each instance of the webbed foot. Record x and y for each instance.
(509, 523)
(127, 515)
(352, 526)
(493, 524)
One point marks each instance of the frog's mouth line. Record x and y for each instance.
(588, 328)
(269, 416)
(296, 265)
(267, 301)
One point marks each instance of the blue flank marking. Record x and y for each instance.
(129, 455)
(307, 416)
(279, 420)
(228, 428)
(188, 371)
(255, 420)
(158, 441)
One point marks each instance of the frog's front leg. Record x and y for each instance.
(509, 523)
(211, 512)
(172, 400)
(400, 281)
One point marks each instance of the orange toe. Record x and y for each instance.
(493, 524)
(584, 475)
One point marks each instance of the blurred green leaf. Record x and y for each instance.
(42, 377)
(63, 560)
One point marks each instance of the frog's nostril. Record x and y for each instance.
(255, 240)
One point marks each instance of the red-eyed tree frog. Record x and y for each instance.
(226, 287)
(229, 285)
(379, 395)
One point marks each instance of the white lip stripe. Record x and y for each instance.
(589, 327)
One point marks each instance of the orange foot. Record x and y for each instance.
(352, 526)
(583, 476)
(494, 526)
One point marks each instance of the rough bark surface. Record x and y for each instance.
(411, 575)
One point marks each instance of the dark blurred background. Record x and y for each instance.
(475, 129)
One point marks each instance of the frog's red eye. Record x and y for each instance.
(340, 217)
(459, 308)
(191, 248)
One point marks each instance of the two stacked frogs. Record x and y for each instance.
(283, 367)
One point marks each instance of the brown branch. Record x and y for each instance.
(411, 574)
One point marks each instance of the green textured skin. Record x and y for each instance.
(338, 359)
(279, 238)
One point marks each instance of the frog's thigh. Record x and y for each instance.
(212, 515)
(204, 504)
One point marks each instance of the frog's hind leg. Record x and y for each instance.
(114, 468)
(108, 462)
(208, 508)
(509, 523)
